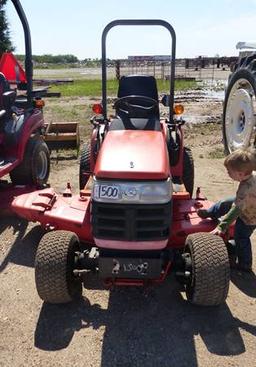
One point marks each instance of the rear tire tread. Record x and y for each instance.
(188, 170)
(25, 173)
(84, 165)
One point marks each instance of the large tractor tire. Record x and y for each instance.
(84, 171)
(35, 166)
(54, 265)
(240, 106)
(188, 170)
(208, 261)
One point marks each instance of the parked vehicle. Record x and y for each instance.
(239, 111)
(135, 219)
(23, 153)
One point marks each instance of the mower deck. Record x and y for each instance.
(9, 192)
(72, 213)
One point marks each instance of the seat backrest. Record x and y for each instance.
(4, 87)
(139, 119)
(141, 85)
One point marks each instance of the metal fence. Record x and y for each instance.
(194, 69)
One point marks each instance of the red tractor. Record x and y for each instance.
(133, 221)
(23, 152)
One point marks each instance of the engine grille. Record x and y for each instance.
(131, 222)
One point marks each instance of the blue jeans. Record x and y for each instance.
(242, 232)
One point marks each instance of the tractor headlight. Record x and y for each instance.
(148, 192)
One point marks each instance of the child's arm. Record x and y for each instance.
(229, 218)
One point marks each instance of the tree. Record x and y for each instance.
(5, 41)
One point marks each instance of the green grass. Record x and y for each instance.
(93, 87)
(67, 109)
(217, 153)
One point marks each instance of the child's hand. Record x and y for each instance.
(217, 232)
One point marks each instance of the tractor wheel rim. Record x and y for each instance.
(239, 117)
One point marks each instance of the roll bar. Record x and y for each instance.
(135, 22)
(28, 50)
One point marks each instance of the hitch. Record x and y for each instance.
(184, 269)
(87, 260)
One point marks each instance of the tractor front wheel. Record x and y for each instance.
(208, 265)
(54, 265)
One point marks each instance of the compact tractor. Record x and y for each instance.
(23, 152)
(134, 220)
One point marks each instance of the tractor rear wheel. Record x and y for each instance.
(240, 106)
(188, 170)
(84, 171)
(209, 268)
(54, 265)
(35, 166)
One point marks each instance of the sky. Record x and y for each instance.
(206, 28)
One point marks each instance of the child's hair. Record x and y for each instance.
(242, 160)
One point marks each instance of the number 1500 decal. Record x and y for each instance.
(107, 191)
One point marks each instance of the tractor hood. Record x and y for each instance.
(133, 154)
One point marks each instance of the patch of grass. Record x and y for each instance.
(203, 128)
(217, 153)
(92, 87)
(67, 109)
(185, 84)
(84, 88)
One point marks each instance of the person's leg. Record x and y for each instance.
(243, 244)
(217, 210)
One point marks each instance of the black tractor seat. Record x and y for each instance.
(7, 98)
(139, 109)
(4, 87)
(11, 123)
(142, 85)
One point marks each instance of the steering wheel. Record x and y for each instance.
(129, 104)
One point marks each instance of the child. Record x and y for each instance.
(242, 208)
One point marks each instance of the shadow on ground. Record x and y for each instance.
(246, 282)
(157, 328)
(154, 329)
(22, 248)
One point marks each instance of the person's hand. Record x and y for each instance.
(217, 232)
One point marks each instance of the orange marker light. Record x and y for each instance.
(97, 108)
(39, 103)
(178, 109)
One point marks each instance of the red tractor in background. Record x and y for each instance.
(23, 152)
(135, 219)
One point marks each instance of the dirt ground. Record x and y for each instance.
(125, 327)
